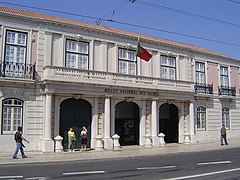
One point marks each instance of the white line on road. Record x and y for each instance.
(150, 168)
(81, 173)
(10, 177)
(36, 178)
(205, 174)
(218, 162)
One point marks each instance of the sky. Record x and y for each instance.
(211, 24)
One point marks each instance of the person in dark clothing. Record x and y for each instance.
(223, 135)
(19, 145)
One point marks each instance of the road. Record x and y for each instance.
(214, 165)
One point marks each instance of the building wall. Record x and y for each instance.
(46, 47)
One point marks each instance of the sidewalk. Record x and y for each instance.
(127, 151)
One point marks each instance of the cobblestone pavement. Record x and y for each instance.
(126, 151)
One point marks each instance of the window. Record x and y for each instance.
(201, 118)
(168, 67)
(200, 73)
(12, 115)
(225, 117)
(127, 61)
(15, 53)
(224, 76)
(77, 54)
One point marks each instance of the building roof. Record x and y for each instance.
(44, 17)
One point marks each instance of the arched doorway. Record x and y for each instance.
(127, 123)
(168, 122)
(75, 113)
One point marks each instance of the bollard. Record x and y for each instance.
(116, 145)
(161, 137)
(58, 143)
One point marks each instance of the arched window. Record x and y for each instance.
(12, 115)
(201, 118)
(225, 117)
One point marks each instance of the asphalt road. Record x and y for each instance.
(214, 165)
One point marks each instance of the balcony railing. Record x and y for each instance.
(228, 91)
(17, 70)
(203, 88)
(56, 73)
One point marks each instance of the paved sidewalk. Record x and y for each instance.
(127, 151)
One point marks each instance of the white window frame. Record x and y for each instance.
(77, 54)
(201, 118)
(15, 53)
(200, 73)
(168, 67)
(127, 61)
(226, 117)
(224, 76)
(12, 115)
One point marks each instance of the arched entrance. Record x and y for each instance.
(168, 122)
(75, 113)
(127, 123)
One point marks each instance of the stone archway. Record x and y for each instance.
(127, 123)
(168, 122)
(75, 113)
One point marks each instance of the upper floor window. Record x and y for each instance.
(200, 73)
(127, 61)
(12, 115)
(168, 67)
(225, 117)
(224, 76)
(15, 47)
(201, 118)
(77, 54)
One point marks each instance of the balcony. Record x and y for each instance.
(73, 75)
(227, 91)
(203, 88)
(17, 70)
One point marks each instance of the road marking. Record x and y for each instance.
(10, 177)
(205, 174)
(218, 162)
(36, 178)
(81, 173)
(151, 168)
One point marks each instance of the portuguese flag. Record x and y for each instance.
(143, 53)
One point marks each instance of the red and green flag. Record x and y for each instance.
(143, 53)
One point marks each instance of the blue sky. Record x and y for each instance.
(216, 20)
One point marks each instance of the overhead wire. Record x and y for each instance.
(112, 12)
(237, 2)
(124, 23)
(187, 13)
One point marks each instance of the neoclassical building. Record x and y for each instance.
(58, 73)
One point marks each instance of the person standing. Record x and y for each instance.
(223, 135)
(71, 139)
(19, 145)
(84, 139)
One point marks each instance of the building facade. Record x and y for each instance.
(58, 73)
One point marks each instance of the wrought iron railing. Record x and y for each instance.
(226, 90)
(17, 70)
(203, 88)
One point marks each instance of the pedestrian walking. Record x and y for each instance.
(223, 135)
(71, 139)
(84, 138)
(19, 145)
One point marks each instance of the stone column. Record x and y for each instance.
(155, 138)
(191, 121)
(187, 139)
(108, 143)
(48, 143)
